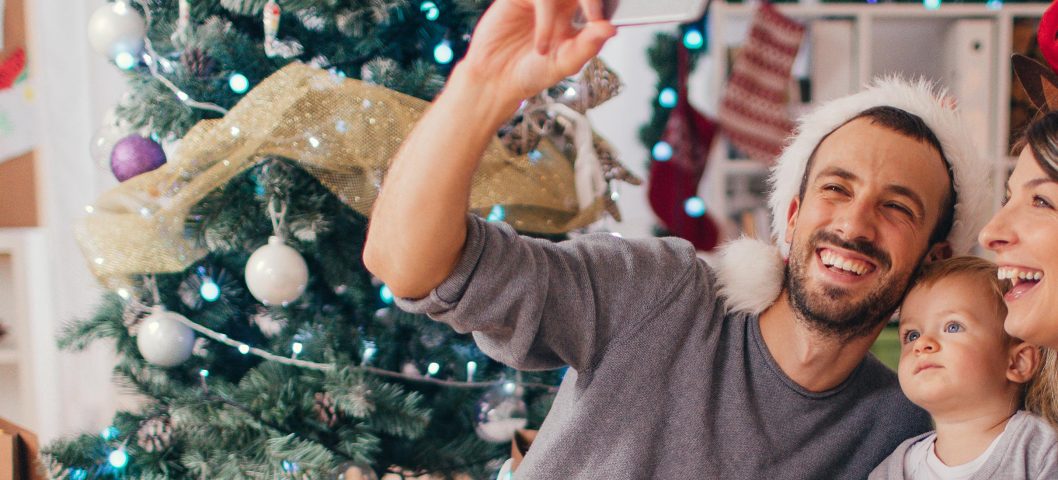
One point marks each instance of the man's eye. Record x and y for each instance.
(900, 208)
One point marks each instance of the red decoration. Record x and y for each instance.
(753, 110)
(1047, 36)
(675, 180)
(11, 68)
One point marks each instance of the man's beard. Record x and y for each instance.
(832, 311)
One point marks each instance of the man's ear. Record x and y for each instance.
(939, 251)
(791, 218)
(1024, 361)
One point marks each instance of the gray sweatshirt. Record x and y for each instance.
(1027, 450)
(663, 384)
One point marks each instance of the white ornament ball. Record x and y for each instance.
(163, 340)
(276, 274)
(116, 28)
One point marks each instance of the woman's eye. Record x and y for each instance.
(911, 336)
(953, 328)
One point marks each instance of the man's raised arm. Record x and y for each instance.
(519, 48)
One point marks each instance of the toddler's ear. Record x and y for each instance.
(1024, 361)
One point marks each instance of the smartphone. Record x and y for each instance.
(640, 12)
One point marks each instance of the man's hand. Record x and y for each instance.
(521, 47)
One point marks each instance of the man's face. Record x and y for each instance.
(872, 199)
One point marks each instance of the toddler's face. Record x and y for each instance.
(953, 348)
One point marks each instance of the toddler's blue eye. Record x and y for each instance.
(911, 336)
(953, 328)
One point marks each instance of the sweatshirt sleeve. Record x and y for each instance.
(535, 304)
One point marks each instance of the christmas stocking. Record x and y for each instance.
(675, 181)
(753, 110)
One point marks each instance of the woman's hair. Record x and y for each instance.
(1042, 398)
(1041, 135)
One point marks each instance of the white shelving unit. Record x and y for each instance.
(965, 47)
(28, 394)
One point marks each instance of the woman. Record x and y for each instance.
(1024, 236)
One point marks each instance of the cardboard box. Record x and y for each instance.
(19, 453)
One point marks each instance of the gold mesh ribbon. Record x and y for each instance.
(342, 131)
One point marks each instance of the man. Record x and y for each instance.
(751, 370)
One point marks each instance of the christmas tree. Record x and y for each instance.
(252, 141)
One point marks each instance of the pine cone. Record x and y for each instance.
(155, 434)
(324, 408)
(198, 63)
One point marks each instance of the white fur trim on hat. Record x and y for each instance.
(746, 270)
(971, 175)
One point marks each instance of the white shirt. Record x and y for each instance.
(923, 463)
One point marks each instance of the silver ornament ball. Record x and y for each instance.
(116, 28)
(276, 274)
(164, 340)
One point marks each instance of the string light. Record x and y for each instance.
(296, 348)
(289, 467)
(125, 61)
(430, 10)
(667, 98)
(109, 433)
(244, 349)
(509, 387)
(693, 39)
(662, 151)
(386, 295)
(239, 83)
(369, 352)
(694, 206)
(209, 290)
(472, 368)
(995, 4)
(931, 4)
(443, 52)
(78, 474)
(118, 458)
(433, 368)
(497, 214)
(203, 373)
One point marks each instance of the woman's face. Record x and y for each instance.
(1024, 236)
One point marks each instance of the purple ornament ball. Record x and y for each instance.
(134, 155)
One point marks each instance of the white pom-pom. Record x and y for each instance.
(749, 275)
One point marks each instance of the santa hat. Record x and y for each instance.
(750, 272)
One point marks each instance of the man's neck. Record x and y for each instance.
(964, 435)
(815, 361)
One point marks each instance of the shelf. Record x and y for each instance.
(743, 167)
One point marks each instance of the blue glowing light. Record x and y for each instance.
(430, 10)
(694, 206)
(209, 290)
(667, 98)
(433, 368)
(535, 155)
(203, 373)
(662, 151)
(78, 474)
(239, 83)
(386, 294)
(443, 53)
(995, 4)
(931, 4)
(289, 467)
(497, 214)
(118, 459)
(125, 61)
(693, 39)
(109, 433)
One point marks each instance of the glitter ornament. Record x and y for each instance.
(276, 274)
(115, 29)
(134, 155)
(163, 339)
(500, 413)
